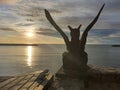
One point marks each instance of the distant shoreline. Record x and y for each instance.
(27, 44)
(115, 45)
(8, 44)
(19, 44)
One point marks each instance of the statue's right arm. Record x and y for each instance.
(50, 19)
(85, 33)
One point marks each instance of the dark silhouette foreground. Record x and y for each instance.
(76, 58)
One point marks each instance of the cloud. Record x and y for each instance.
(7, 29)
(8, 1)
(33, 13)
(70, 12)
(115, 35)
(47, 32)
(83, 11)
(113, 6)
(104, 36)
(103, 32)
(29, 14)
(25, 24)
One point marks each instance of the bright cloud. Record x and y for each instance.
(8, 1)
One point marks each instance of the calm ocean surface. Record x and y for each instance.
(17, 60)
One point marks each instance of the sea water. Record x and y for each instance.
(18, 60)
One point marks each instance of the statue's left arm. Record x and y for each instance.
(50, 19)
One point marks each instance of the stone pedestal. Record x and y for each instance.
(99, 78)
(96, 74)
(75, 65)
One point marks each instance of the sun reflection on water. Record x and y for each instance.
(29, 54)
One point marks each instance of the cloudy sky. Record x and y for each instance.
(24, 21)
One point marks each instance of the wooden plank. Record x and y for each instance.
(34, 85)
(4, 78)
(26, 85)
(2, 84)
(39, 78)
(48, 79)
(21, 83)
(38, 81)
(17, 80)
(29, 82)
(37, 72)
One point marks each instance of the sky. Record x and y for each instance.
(24, 21)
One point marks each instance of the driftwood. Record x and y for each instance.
(76, 58)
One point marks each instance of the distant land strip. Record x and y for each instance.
(19, 44)
(5, 44)
(10, 44)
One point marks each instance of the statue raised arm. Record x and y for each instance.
(50, 19)
(85, 33)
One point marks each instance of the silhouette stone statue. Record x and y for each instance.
(76, 58)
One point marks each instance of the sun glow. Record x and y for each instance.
(29, 34)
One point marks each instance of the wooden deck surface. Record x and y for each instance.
(39, 80)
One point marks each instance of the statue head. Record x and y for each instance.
(74, 32)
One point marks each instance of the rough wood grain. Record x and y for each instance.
(36, 80)
(13, 83)
(21, 83)
(47, 81)
(2, 84)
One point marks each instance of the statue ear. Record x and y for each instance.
(79, 26)
(70, 27)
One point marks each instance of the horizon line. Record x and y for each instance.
(37, 44)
